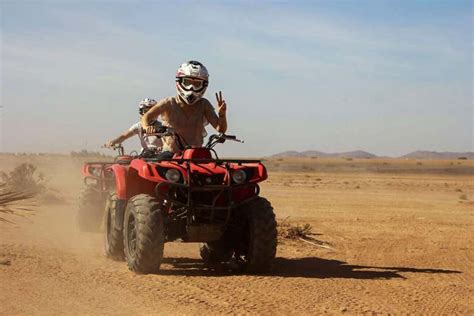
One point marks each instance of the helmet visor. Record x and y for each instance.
(194, 84)
(143, 109)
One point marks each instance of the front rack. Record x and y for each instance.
(220, 188)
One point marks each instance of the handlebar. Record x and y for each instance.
(221, 138)
(165, 131)
(117, 147)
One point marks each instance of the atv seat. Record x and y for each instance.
(123, 160)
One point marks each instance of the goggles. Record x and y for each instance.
(192, 84)
(143, 109)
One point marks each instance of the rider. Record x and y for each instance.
(147, 142)
(188, 112)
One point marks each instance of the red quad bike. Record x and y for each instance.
(192, 197)
(98, 178)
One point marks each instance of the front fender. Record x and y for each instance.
(120, 173)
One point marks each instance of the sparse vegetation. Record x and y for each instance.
(289, 231)
(86, 153)
(24, 178)
(299, 232)
(17, 186)
(10, 202)
(463, 197)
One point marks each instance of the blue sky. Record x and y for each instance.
(388, 77)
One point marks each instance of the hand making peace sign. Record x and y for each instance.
(221, 105)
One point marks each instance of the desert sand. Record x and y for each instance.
(400, 237)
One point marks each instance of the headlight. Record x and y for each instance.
(239, 176)
(173, 175)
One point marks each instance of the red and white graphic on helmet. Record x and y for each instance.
(145, 105)
(192, 80)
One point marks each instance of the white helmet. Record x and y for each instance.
(145, 105)
(192, 79)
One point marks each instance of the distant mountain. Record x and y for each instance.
(290, 153)
(420, 154)
(315, 153)
(423, 154)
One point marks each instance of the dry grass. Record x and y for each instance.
(17, 189)
(291, 231)
(299, 232)
(13, 202)
(24, 177)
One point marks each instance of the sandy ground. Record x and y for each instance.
(401, 235)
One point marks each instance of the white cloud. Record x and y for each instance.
(294, 80)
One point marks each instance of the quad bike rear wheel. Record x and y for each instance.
(113, 243)
(91, 209)
(143, 233)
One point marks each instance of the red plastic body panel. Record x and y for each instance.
(141, 176)
(197, 153)
(120, 173)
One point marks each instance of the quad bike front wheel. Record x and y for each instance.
(143, 233)
(113, 241)
(249, 245)
(257, 248)
(91, 209)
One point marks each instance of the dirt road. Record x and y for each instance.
(401, 244)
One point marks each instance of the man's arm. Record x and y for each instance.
(219, 121)
(121, 138)
(152, 115)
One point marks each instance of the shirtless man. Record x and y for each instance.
(188, 112)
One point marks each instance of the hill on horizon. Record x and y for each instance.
(315, 153)
(419, 154)
(424, 154)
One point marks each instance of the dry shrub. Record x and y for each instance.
(290, 231)
(19, 185)
(27, 178)
(300, 233)
(24, 178)
(463, 197)
(13, 202)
